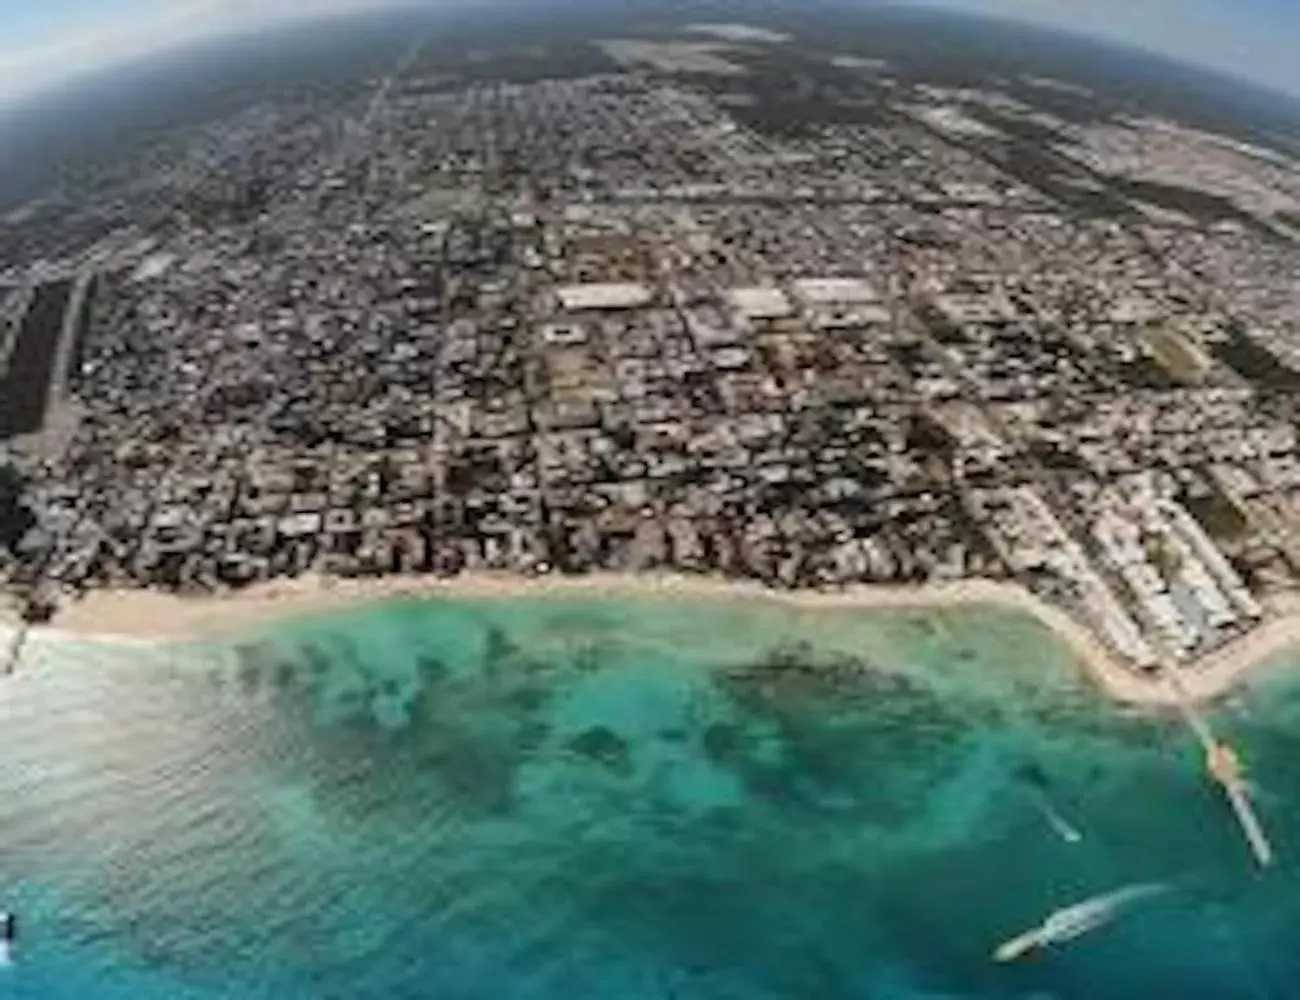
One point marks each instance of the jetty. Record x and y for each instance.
(1224, 766)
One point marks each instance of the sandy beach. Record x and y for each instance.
(144, 614)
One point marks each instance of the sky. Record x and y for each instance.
(44, 41)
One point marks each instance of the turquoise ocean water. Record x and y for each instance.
(551, 800)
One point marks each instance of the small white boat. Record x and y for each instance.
(1074, 921)
(1059, 824)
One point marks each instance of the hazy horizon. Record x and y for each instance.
(60, 41)
(206, 79)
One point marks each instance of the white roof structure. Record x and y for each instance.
(973, 308)
(1133, 310)
(835, 291)
(604, 295)
(564, 334)
(848, 317)
(760, 302)
(153, 266)
(297, 525)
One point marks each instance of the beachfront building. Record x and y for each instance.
(1182, 584)
(1033, 541)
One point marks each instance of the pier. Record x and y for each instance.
(1224, 766)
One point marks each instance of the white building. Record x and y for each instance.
(851, 317)
(835, 291)
(1214, 560)
(971, 308)
(760, 302)
(604, 295)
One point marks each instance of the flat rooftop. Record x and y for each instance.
(835, 291)
(604, 295)
(760, 302)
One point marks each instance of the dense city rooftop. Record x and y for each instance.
(621, 321)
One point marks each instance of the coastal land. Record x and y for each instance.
(164, 616)
(821, 319)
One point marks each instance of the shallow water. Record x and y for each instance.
(555, 799)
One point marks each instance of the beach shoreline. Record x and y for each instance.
(161, 616)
